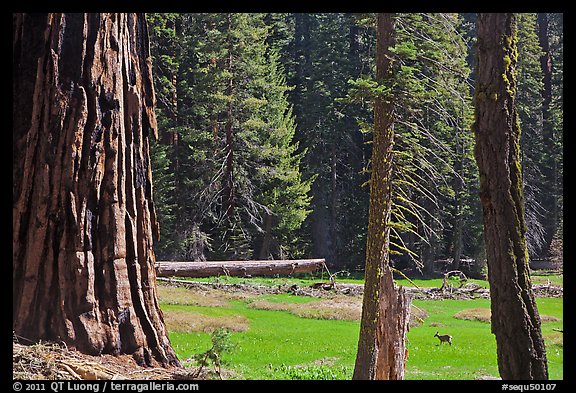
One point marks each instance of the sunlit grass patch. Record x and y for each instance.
(342, 308)
(188, 322)
(483, 315)
(168, 294)
(474, 314)
(547, 278)
(417, 316)
(554, 338)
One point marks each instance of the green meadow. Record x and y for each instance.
(297, 337)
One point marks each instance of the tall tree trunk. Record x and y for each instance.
(385, 309)
(545, 63)
(458, 184)
(550, 170)
(334, 202)
(321, 218)
(175, 137)
(321, 223)
(83, 216)
(265, 252)
(229, 191)
(515, 319)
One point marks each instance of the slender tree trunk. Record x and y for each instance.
(515, 319)
(385, 310)
(175, 139)
(545, 63)
(229, 193)
(457, 240)
(458, 184)
(334, 202)
(264, 252)
(83, 216)
(550, 169)
(321, 222)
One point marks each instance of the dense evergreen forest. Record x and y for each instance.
(265, 126)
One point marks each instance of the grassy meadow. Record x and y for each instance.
(297, 337)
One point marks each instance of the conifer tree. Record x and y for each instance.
(530, 114)
(238, 191)
(325, 52)
(550, 35)
(434, 172)
(385, 308)
(515, 319)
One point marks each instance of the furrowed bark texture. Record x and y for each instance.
(83, 216)
(385, 310)
(515, 319)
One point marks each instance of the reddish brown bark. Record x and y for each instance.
(83, 216)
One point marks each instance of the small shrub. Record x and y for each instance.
(221, 343)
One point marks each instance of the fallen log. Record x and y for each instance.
(237, 268)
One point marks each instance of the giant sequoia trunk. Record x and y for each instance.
(83, 218)
(385, 309)
(515, 319)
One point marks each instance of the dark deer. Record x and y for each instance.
(444, 338)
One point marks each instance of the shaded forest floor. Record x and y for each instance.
(53, 361)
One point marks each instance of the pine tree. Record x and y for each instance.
(433, 108)
(550, 34)
(556, 118)
(165, 47)
(237, 164)
(530, 113)
(434, 174)
(385, 308)
(324, 53)
(285, 192)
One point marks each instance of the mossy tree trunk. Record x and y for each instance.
(83, 216)
(515, 319)
(385, 309)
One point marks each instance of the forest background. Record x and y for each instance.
(265, 137)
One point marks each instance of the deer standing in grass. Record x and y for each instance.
(444, 338)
